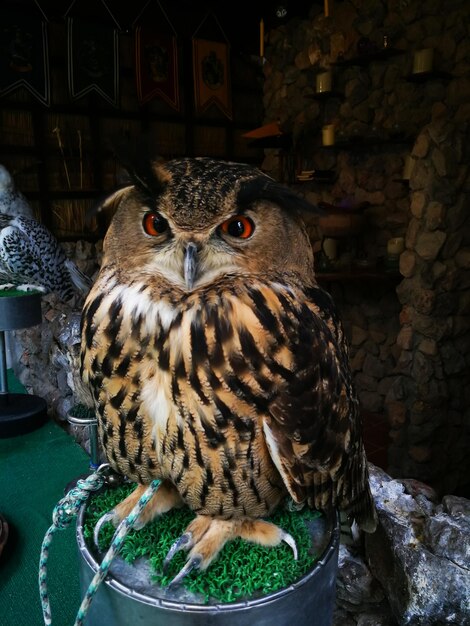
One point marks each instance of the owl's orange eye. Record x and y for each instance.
(154, 224)
(238, 226)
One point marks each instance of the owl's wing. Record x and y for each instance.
(32, 255)
(59, 272)
(313, 428)
(19, 260)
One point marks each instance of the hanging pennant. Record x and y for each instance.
(93, 57)
(156, 57)
(24, 60)
(211, 69)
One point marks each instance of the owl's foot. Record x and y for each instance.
(165, 498)
(205, 537)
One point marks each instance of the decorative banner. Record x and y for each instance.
(156, 59)
(211, 67)
(24, 60)
(93, 59)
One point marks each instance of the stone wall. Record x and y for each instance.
(408, 344)
(371, 325)
(429, 406)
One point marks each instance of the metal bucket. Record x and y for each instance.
(128, 596)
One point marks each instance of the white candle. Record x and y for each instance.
(395, 246)
(408, 167)
(422, 60)
(328, 135)
(324, 81)
(261, 38)
(330, 248)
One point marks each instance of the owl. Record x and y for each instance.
(216, 362)
(12, 201)
(32, 259)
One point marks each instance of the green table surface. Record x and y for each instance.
(35, 468)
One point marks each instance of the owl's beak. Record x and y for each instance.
(190, 264)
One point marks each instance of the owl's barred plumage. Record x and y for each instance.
(32, 258)
(232, 385)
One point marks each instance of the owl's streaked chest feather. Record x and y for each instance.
(195, 362)
(199, 402)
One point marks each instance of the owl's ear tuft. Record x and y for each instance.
(264, 188)
(143, 168)
(103, 211)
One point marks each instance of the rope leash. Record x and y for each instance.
(64, 513)
(122, 530)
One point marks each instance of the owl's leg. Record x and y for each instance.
(165, 498)
(205, 537)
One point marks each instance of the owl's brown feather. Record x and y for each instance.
(237, 391)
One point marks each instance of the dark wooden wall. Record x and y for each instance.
(40, 145)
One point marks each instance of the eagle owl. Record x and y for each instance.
(216, 362)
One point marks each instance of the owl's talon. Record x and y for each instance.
(185, 542)
(107, 517)
(193, 563)
(290, 542)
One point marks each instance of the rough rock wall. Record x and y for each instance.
(429, 403)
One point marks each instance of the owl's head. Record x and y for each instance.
(6, 179)
(192, 220)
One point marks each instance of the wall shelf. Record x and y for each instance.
(282, 142)
(366, 59)
(319, 176)
(365, 143)
(325, 95)
(424, 77)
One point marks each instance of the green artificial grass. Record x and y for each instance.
(82, 411)
(243, 570)
(10, 293)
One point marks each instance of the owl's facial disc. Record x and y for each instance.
(190, 265)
